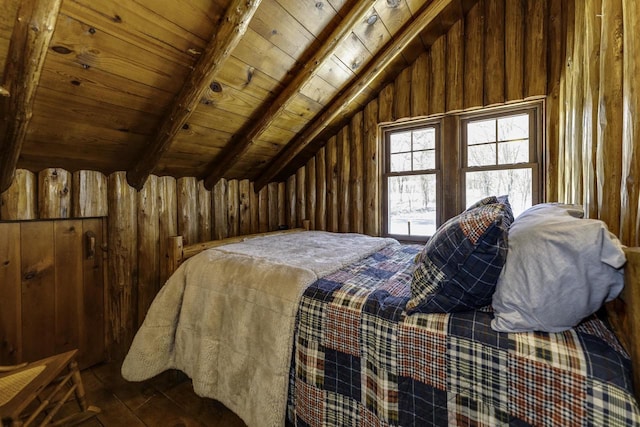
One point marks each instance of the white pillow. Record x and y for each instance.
(559, 270)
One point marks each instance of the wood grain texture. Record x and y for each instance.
(219, 208)
(556, 55)
(89, 194)
(455, 68)
(272, 194)
(282, 204)
(38, 289)
(630, 222)
(301, 196)
(69, 286)
(385, 103)
(263, 210)
(344, 175)
(187, 190)
(123, 264)
(10, 288)
(311, 196)
(473, 56)
(332, 185)
(371, 153)
(420, 86)
(402, 95)
(610, 115)
(233, 208)
(54, 193)
(167, 221)
(148, 246)
(494, 52)
(356, 179)
(514, 49)
(19, 201)
(321, 190)
(244, 207)
(535, 45)
(228, 34)
(32, 33)
(204, 213)
(438, 74)
(317, 56)
(422, 20)
(290, 206)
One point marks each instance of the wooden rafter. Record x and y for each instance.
(390, 51)
(232, 28)
(244, 140)
(36, 20)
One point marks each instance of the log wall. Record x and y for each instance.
(139, 224)
(599, 136)
(500, 53)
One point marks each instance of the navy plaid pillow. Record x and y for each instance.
(459, 266)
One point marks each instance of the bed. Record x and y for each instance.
(303, 334)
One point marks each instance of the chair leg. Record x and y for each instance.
(77, 380)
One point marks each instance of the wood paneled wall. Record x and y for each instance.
(139, 224)
(502, 52)
(599, 138)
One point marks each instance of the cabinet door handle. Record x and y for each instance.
(90, 237)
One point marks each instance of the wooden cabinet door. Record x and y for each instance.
(52, 290)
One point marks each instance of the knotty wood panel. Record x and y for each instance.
(19, 201)
(609, 153)
(494, 52)
(419, 86)
(89, 194)
(455, 67)
(92, 337)
(148, 246)
(168, 221)
(123, 265)
(301, 196)
(54, 193)
(402, 94)
(188, 209)
(332, 185)
(263, 210)
(233, 208)
(473, 55)
(204, 213)
(10, 289)
(38, 290)
(272, 194)
(244, 201)
(290, 213)
(438, 75)
(514, 49)
(535, 45)
(371, 170)
(357, 170)
(282, 203)
(311, 196)
(321, 190)
(69, 286)
(219, 200)
(344, 173)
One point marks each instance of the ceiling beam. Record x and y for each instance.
(231, 29)
(32, 32)
(244, 140)
(391, 50)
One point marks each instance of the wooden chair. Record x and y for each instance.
(26, 398)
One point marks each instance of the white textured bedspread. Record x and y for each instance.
(226, 318)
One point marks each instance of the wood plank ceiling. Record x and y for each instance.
(205, 88)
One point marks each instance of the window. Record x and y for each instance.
(410, 181)
(500, 152)
(500, 156)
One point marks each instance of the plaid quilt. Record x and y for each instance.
(359, 360)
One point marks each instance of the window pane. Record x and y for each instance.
(513, 152)
(481, 155)
(481, 131)
(401, 162)
(516, 183)
(514, 127)
(424, 160)
(399, 142)
(424, 139)
(412, 205)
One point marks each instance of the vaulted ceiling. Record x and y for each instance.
(205, 88)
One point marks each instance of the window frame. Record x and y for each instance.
(386, 132)
(451, 152)
(535, 110)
